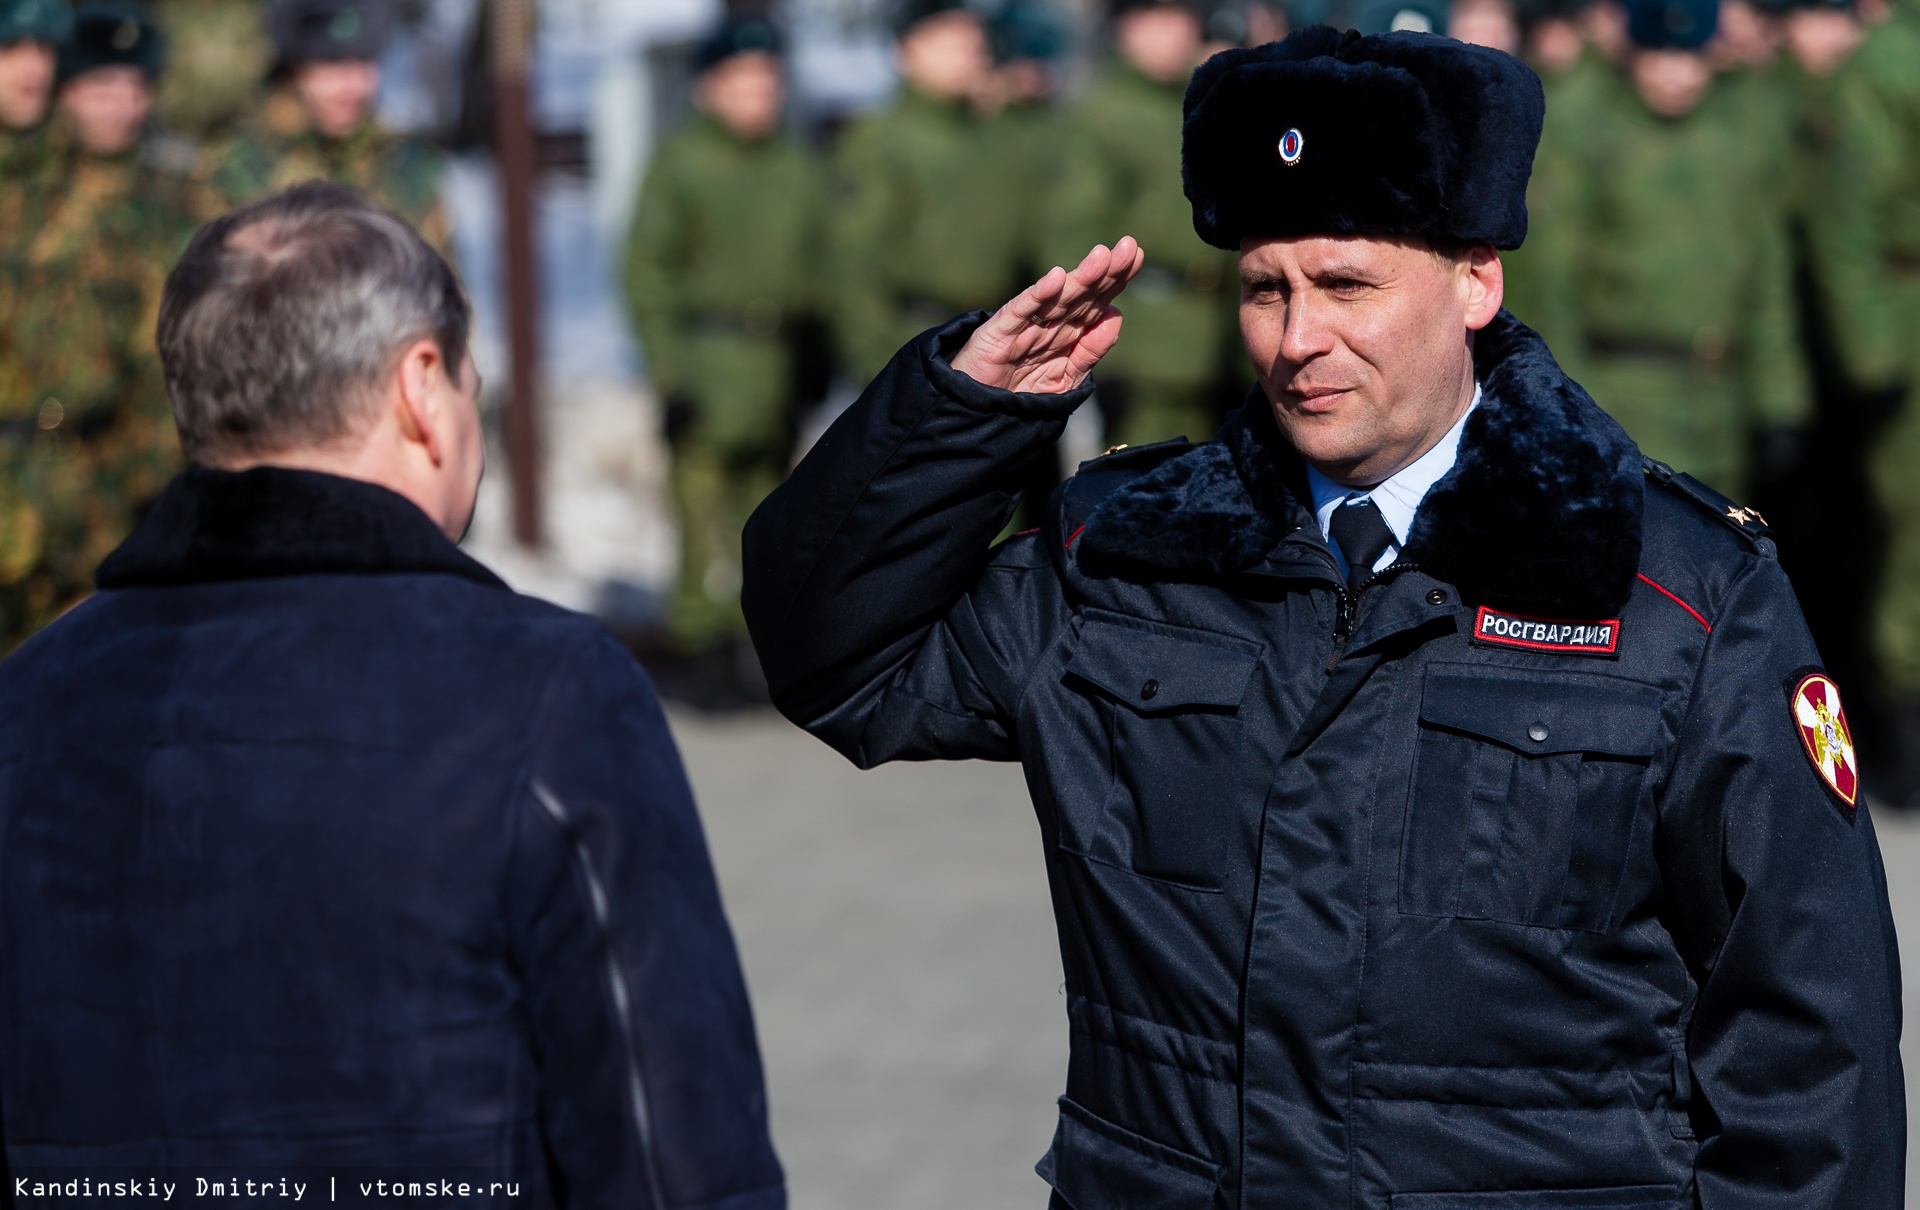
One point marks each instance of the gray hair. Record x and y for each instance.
(283, 319)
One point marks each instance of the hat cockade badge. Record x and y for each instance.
(1291, 144)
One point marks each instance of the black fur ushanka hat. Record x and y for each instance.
(1328, 133)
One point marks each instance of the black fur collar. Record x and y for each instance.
(211, 525)
(1541, 513)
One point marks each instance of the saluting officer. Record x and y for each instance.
(1445, 807)
(317, 120)
(722, 261)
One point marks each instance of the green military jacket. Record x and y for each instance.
(723, 258)
(1121, 176)
(1859, 202)
(276, 146)
(926, 224)
(1028, 138)
(1658, 268)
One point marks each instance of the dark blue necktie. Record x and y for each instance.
(1363, 537)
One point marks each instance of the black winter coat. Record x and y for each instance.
(325, 856)
(1356, 908)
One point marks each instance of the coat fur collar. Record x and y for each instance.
(211, 525)
(1540, 514)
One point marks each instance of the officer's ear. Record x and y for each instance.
(419, 394)
(1484, 283)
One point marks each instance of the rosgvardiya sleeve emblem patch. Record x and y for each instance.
(1822, 724)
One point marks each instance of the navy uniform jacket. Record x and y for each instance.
(327, 856)
(1356, 910)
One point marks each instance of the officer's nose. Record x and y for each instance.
(1307, 335)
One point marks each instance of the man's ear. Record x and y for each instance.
(1486, 286)
(420, 370)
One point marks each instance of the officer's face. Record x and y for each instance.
(745, 92)
(108, 106)
(946, 55)
(1364, 345)
(337, 96)
(26, 83)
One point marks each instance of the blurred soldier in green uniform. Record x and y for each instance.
(87, 435)
(1028, 38)
(30, 34)
(1664, 277)
(721, 269)
(926, 219)
(318, 121)
(217, 53)
(1120, 175)
(1862, 218)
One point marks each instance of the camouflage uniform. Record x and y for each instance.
(926, 225)
(1660, 274)
(218, 53)
(1121, 176)
(720, 266)
(85, 429)
(277, 146)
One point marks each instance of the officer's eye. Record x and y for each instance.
(1263, 289)
(1346, 286)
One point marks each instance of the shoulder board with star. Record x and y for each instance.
(1100, 477)
(1738, 517)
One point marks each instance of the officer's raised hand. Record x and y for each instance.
(1050, 336)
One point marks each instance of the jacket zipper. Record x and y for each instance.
(617, 985)
(1348, 610)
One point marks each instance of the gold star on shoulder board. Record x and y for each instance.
(1114, 449)
(1742, 515)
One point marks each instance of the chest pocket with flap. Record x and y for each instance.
(1173, 707)
(1525, 788)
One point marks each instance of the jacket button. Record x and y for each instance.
(1149, 689)
(1437, 596)
(1538, 733)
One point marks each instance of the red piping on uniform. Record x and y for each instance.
(1072, 536)
(1023, 533)
(1677, 601)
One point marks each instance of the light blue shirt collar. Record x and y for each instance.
(1398, 499)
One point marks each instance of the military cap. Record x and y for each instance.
(35, 21)
(909, 13)
(112, 33)
(1328, 133)
(1387, 16)
(1672, 24)
(748, 36)
(1027, 29)
(327, 31)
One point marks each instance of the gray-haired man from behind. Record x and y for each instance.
(326, 856)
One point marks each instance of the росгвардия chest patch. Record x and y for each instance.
(1599, 637)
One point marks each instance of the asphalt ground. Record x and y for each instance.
(899, 946)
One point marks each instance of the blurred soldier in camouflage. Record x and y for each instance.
(1121, 176)
(1660, 272)
(86, 434)
(30, 34)
(721, 267)
(318, 119)
(926, 221)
